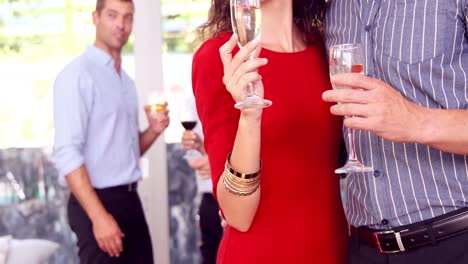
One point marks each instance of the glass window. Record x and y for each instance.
(180, 20)
(37, 38)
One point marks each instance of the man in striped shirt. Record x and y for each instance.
(411, 115)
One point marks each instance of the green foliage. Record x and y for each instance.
(184, 40)
(41, 89)
(39, 47)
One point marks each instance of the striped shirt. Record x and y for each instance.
(421, 49)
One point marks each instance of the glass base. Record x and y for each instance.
(253, 102)
(353, 166)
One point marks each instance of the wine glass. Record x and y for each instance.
(188, 118)
(347, 58)
(246, 20)
(156, 101)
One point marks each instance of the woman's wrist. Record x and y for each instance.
(251, 124)
(251, 115)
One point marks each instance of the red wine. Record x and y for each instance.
(189, 125)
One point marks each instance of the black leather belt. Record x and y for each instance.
(131, 187)
(414, 235)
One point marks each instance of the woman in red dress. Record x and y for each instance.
(295, 215)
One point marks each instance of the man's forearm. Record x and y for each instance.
(446, 130)
(80, 185)
(147, 138)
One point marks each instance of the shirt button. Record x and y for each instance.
(368, 28)
(384, 222)
(376, 173)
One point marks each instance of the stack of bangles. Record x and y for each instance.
(238, 183)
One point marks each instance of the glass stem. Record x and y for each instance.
(250, 90)
(352, 147)
(250, 86)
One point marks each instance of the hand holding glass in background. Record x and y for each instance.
(156, 101)
(188, 118)
(157, 112)
(347, 58)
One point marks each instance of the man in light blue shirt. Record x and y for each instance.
(98, 144)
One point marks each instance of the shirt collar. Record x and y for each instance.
(99, 56)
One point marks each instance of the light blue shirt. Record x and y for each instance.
(96, 121)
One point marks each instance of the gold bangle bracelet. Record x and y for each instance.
(236, 179)
(240, 187)
(239, 192)
(242, 175)
(239, 183)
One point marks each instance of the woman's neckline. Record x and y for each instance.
(307, 48)
(273, 52)
(267, 50)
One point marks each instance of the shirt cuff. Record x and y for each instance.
(67, 159)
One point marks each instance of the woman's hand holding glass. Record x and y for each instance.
(240, 70)
(246, 22)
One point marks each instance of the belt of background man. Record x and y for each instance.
(416, 234)
(130, 187)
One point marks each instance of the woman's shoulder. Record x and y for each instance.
(210, 47)
(207, 67)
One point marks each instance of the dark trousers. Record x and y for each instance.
(125, 207)
(210, 227)
(449, 251)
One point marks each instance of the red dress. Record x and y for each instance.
(300, 218)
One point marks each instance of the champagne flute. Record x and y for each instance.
(347, 58)
(246, 20)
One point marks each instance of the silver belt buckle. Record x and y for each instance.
(401, 248)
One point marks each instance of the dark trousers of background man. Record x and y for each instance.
(210, 228)
(449, 251)
(125, 206)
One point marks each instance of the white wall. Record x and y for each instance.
(148, 77)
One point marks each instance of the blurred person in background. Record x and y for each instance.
(210, 221)
(98, 144)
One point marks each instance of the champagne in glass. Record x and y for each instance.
(246, 20)
(347, 58)
(354, 68)
(156, 102)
